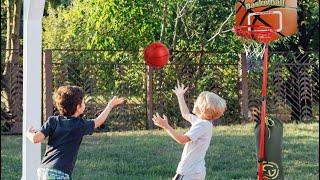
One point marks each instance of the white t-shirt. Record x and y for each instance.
(192, 159)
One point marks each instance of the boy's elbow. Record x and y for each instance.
(184, 140)
(96, 124)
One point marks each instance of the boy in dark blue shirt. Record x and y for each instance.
(65, 132)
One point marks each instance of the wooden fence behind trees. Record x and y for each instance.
(293, 89)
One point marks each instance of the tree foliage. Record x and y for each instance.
(100, 24)
(131, 25)
(184, 26)
(189, 28)
(307, 37)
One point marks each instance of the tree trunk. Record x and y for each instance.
(5, 76)
(12, 76)
(7, 68)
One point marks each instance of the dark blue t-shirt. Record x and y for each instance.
(65, 136)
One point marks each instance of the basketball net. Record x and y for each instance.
(254, 55)
(254, 39)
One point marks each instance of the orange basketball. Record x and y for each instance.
(156, 55)
(283, 16)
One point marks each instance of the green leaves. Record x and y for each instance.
(102, 24)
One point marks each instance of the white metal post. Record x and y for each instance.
(32, 38)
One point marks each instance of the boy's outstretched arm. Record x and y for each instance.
(163, 123)
(179, 90)
(103, 116)
(35, 136)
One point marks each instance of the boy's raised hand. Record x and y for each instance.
(180, 89)
(104, 114)
(116, 101)
(161, 122)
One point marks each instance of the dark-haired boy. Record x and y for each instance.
(65, 132)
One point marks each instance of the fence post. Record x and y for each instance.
(47, 102)
(149, 98)
(244, 88)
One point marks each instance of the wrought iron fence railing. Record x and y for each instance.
(124, 74)
(293, 89)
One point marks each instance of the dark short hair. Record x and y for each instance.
(67, 98)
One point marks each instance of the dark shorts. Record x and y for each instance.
(177, 177)
(196, 176)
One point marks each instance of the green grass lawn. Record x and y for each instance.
(150, 155)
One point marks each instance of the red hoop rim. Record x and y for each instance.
(258, 33)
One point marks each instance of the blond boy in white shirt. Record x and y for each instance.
(207, 107)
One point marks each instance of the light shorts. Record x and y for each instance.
(51, 174)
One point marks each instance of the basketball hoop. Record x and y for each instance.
(254, 39)
(257, 23)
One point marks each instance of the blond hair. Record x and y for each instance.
(210, 105)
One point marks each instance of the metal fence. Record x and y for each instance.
(293, 89)
(125, 74)
(11, 90)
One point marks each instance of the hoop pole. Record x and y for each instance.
(32, 38)
(263, 112)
